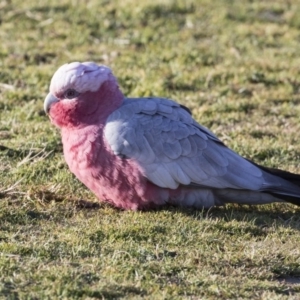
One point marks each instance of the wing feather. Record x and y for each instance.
(172, 149)
(197, 175)
(162, 177)
(194, 147)
(216, 154)
(185, 146)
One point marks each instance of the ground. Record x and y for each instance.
(235, 64)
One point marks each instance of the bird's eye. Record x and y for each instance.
(70, 94)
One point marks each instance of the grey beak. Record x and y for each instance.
(50, 99)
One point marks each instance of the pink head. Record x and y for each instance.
(82, 93)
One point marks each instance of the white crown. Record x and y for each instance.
(81, 77)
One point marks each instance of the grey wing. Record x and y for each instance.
(173, 149)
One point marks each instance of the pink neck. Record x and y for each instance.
(109, 98)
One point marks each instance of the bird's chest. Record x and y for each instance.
(89, 158)
(81, 150)
(110, 177)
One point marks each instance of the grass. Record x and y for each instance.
(235, 64)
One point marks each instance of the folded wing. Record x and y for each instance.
(173, 149)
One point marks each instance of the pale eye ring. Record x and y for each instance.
(70, 94)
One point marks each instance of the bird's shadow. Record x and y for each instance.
(262, 217)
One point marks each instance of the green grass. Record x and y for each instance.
(236, 64)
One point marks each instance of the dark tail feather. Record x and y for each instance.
(290, 177)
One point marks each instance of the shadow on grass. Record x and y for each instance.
(110, 292)
(55, 147)
(282, 290)
(22, 217)
(258, 215)
(261, 216)
(9, 290)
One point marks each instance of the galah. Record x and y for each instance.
(141, 153)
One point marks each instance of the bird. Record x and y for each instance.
(144, 153)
